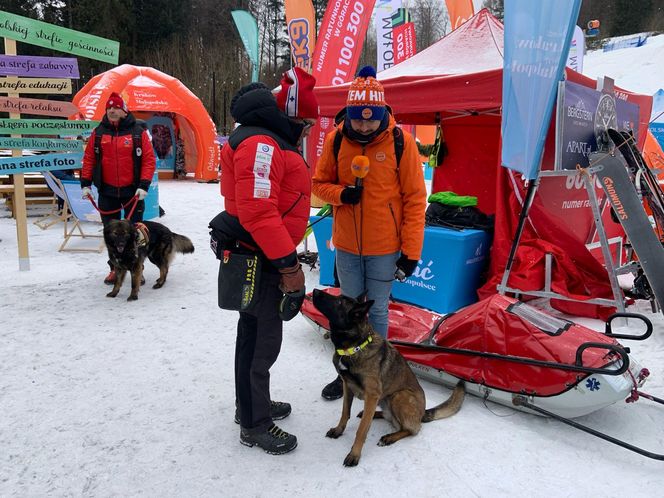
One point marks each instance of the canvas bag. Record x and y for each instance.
(238, 281)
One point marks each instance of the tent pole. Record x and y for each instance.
(532, 188)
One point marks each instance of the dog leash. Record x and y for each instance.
(133, 202)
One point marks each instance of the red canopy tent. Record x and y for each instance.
(459, 81)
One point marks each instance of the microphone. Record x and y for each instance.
(359, 166)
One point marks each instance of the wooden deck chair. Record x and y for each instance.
(83, 214)
(54, 215)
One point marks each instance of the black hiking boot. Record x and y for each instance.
(273, 440)
(278, 410)
(334, 390)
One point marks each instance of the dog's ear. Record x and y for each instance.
(360, 311)
(362, 297)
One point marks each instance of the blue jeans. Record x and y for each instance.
(373, 274)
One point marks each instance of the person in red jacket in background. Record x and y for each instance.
(120, 173)
(266, 187)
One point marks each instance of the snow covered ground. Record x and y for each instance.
(101, 397)
(639, 69)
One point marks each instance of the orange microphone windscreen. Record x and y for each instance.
(360, 166)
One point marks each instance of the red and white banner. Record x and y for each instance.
(340, 39)
(403, 38)
(301, 24)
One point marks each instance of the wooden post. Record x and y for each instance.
(19, 189)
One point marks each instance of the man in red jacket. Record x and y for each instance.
(119, 160)
(266, 187)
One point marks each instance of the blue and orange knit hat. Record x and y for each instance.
(366, 97)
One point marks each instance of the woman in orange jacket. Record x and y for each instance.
(378, 201)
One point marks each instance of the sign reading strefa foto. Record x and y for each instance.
(45, 126)
(16, 165)
(47, 35)
(35, 85)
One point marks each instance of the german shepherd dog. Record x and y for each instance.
(373, 370)
(128, 246)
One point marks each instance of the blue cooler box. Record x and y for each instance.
(326, 251)
(448, 272)
(446, 277)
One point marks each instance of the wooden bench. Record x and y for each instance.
(35, 193)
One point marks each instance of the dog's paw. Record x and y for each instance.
(351, 460)
(334, 432)
(111, 294)
(359, 415)
(386, 440)
(158, 285)
(132, 298)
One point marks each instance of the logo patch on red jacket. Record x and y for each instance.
(262, 165)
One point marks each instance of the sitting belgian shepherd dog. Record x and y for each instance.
(128, 245)
(373, 370)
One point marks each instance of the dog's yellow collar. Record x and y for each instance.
(352, 351)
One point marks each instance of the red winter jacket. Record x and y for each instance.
(268, 189)
(117, 159)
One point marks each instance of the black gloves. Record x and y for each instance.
(407, 267)
(351, 194)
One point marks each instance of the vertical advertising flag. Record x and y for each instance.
(537, 39)
(459, 11)
(383, 21)
(301, 24)
(576, 50)
(248, 29)
(340, 39)
(404, 45)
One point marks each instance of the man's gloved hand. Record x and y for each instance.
(86, 192)
(351, 194)
(140, 193)
(407, 266)
(292, 278)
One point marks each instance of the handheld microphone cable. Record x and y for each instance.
(359, 166)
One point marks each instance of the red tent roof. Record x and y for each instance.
(467, 63)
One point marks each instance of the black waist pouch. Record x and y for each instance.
(238, 281)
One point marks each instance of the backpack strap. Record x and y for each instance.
(137, 139)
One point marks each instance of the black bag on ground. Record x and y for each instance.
(455, 217)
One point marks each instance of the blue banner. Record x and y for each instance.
(248, 29)
(537, 40)
(30, 164)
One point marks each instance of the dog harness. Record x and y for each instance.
(143, 234)
(356, 349)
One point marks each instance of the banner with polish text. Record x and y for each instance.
(459, 11)
(537, 40)
(301, 23)
(383, 21)
(404, 44)
(340, 39)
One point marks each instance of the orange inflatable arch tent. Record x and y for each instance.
(147, 90)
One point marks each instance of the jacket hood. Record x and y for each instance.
(258, 107)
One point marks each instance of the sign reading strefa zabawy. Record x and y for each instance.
(537, 40)
(66, 40)
(38, 67)
(16, 165)
(45, 126)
